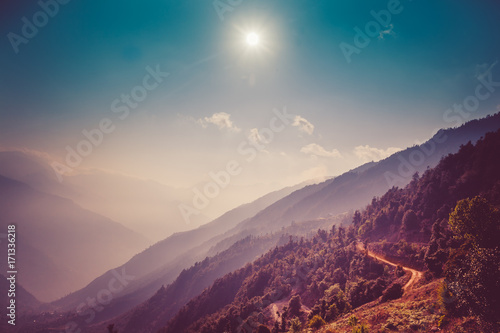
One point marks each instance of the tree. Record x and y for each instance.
(323, 235)
(294, 306)
(476, 220)
(410, 220)
(473, 282)
(332, 312)
(316, 322)
(341, 235)
(276, 327)
(353, 321)
(283, 319)
(111, 328)
(356, 219)
(332, 231)
(263, 329)
(394, 291)
(295, 325)
(473, 269)
(339, 277)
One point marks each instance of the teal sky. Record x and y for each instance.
(391, 95)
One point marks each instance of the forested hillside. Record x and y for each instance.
(444, 222)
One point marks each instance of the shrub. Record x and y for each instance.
(294, 305)
(316, 322)
(295, 325)
(394, 291)
(353, 321)
(263, 329)
(442, 321)
(360, 329)
(410, 220)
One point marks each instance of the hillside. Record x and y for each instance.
(355, 189)
(161, 273)
(46, 224)
(163, 261)
(122, 198)
(276, 278)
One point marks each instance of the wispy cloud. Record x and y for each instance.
(388, 31)
(222, 120)
(255, 138)
(303, 124)
(317, 150)
(367, 153)
(319, 172)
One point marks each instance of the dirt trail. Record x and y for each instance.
(415, 275)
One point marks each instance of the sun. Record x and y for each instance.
(252, 39)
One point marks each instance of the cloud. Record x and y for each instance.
(254, 135)
(388, 31)
(303, 124)
(255, 138)
(317, 150)
(221, 120)
(367, 153)
(319, 172)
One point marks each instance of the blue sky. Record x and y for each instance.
(219, 90)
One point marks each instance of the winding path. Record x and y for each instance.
(415, 275)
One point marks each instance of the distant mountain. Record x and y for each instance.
(356, 188)
(162, 262)
(144, 206)
(60, 246)
(352, 190)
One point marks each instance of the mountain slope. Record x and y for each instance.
(61, 246)
(162, 262)
(122, 198)
(249, 297)
(355, 189)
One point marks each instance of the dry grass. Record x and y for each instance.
(417, 311)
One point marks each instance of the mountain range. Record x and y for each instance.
(247, 232)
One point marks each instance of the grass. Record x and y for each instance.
(417, 311)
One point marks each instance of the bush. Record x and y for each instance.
(316, 322)
(395, 291)
(295, 325)
(294, 305)
(353, 321)
(446, 299)
(443, 320)
(410, 220)
(332, 312)
(263, 329)
(360, 329)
